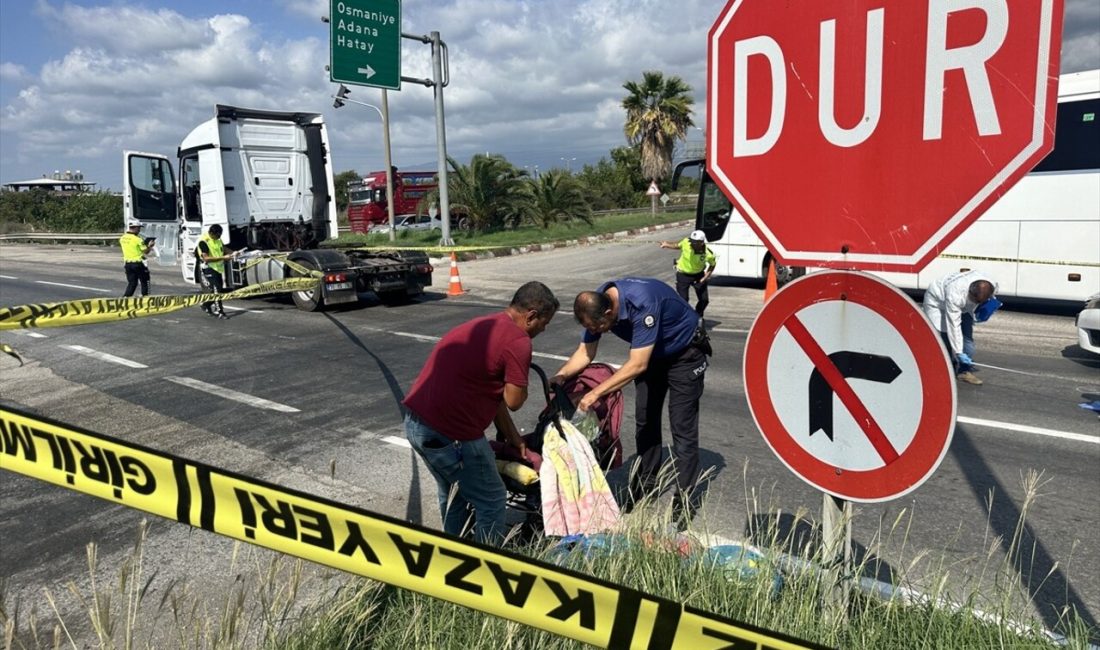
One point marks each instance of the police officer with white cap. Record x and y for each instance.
(694, 267)
(134, 250)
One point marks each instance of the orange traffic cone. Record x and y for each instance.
(771, 285)
(456, 282)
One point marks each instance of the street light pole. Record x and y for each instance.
(340, 98)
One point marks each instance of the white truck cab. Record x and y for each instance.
(266, 178)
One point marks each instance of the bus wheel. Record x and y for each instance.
(307, 300)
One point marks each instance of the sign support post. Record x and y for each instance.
(389, 162)
(836, 536)
(441, 139)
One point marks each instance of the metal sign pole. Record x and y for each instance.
(441, 139)
(389, 162)
(836, 537)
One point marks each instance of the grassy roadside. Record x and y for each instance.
(936, 602)
(522, 236)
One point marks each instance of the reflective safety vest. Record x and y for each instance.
(213, 249)
(691, 262)
(133, 247)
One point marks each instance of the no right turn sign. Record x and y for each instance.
(850, 386)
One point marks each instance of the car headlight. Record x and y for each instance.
(1093, 302)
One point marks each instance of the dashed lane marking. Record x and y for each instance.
(33, 335)
(1023, 428)
(229, 393)
(398, 442)
(103, 356)
(73, 286)
(252, 311)
(8, 277)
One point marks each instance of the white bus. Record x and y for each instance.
(1041, 240)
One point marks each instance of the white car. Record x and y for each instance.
(1088, 325)
(409, 222)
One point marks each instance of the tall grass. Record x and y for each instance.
(931, 601)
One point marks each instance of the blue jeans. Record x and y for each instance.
(967, 327)
(968, 340)
(471, 466)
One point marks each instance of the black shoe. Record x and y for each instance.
(222, 316)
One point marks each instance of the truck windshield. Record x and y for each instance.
(359, 196)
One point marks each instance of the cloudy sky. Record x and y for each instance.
(539, 81)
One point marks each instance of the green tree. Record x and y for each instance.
(28, 211)
(558, 196)
(614, 183)
(89, 212)
(489, 192)
(658, 113)
(341, 182)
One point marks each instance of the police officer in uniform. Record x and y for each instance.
(694, 267)
(134, 250)
(668, 358)
(212, 256)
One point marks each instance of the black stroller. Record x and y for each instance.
(526, 497)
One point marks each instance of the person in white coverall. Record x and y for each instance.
(953, 304)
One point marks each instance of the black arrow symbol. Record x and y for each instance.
(854, 365)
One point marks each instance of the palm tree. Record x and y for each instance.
(658, 113)
(558, 196)
(489, 192)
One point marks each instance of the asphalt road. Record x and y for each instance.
(317, 399)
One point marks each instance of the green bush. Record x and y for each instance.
(42, 211)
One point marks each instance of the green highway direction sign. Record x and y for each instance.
(365, 42)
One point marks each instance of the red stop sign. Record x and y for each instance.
(869, 134)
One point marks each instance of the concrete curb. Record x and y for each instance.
(506, 251)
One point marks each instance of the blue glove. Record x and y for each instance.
(964, 359)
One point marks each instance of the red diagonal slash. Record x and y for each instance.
(840, 386)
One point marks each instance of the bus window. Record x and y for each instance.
(714, 210)
(1075, 138)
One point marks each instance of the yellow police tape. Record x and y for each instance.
(110, 310)
(490, 580)
(1014, 260)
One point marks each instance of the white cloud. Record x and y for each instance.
(122, 29)
(13, 73)
(537, 80)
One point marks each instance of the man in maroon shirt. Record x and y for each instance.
(473, 376)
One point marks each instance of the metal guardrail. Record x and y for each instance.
(60, 236)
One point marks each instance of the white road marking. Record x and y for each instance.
(8, 277)
(544, 355)
(394, 440)
(724, 330)
(73, 286)
(418, 337)
(252, 311)
(1023, 428)
(33, 335)
(103, 356)
(229, 393)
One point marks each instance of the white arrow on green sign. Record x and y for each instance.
(365, 42)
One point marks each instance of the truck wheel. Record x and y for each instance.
(306, 300)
